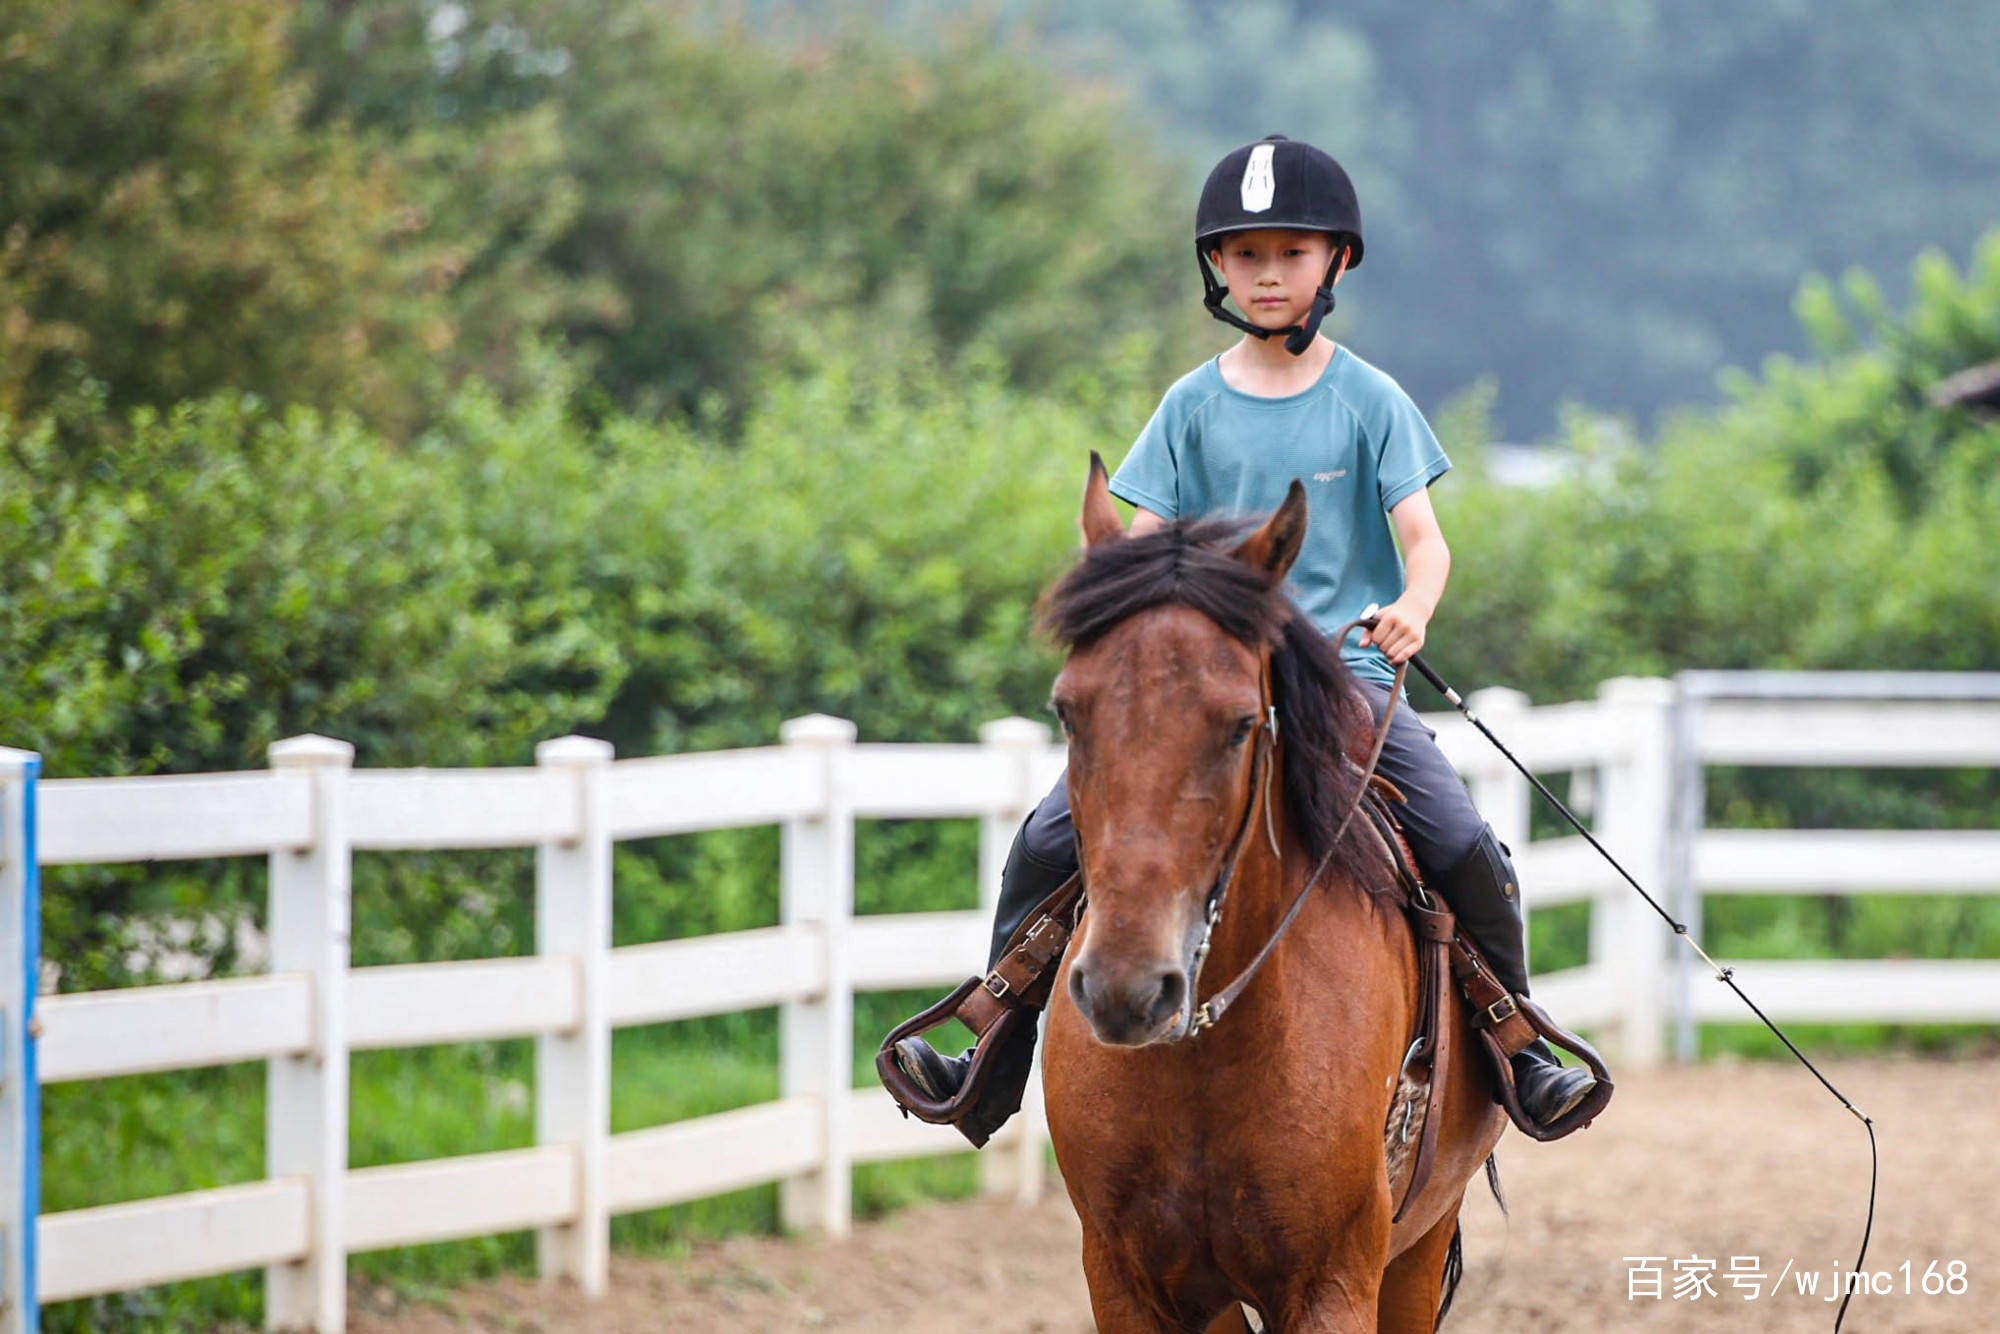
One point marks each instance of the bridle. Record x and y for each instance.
(1263, 761)
(1209, 1012)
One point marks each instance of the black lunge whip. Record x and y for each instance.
(1726, 976)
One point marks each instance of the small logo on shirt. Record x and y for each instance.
(1258, 184)
(1335, 475)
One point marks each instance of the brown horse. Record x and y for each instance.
(1245, 1163)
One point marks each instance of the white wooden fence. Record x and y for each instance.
(311, 811)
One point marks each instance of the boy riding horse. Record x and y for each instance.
(1279, 220)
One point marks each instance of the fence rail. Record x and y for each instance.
(1638, 749)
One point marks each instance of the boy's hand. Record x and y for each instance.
(1399, 630)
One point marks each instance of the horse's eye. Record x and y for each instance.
(1061, 712)
(1244, 726)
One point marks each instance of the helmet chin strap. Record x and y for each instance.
(1299, 337)
(1302, 335)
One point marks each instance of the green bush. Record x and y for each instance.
(211, 578)
(206, 580)
(1830, 518)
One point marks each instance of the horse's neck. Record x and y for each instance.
(1265, 885)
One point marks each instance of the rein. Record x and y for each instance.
(1209, 1012)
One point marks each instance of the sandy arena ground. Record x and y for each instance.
(1747, 1160)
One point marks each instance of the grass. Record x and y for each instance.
(1753, 1040)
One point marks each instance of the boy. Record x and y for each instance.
(1280, 221)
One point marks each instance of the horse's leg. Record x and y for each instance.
(1334, 1303)
(1412, 1283)
(1231, 1321)
(1114, 1304)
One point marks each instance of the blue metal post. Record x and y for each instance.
(20, 1087)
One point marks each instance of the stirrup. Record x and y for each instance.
(967, 1109)
(994, 1006)
(1577, 1117)
(909, 1095)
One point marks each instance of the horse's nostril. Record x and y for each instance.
(1128, 1007)
(1079, 988)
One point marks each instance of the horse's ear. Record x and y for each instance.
(1100, 517)
(1275, 546)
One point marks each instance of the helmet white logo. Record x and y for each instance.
(1258, 185)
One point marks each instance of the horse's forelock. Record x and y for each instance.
(1189, 563)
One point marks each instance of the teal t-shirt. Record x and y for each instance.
(1354, 439)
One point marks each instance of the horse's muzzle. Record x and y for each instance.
(1129, 1007)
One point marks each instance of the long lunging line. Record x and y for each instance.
(1726, 976)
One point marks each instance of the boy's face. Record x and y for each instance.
(1272, 273)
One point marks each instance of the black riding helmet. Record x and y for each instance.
(1277, 182)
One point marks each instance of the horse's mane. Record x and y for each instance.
(1321, 716)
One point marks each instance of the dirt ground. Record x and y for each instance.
(1753, 1161)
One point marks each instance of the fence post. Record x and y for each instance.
(816, 1037)
(1690, 814)
(305, 1104)
(20, 1094)
(573, 1069)
(1627, 939)
(1016, 1171)
(1498, 789)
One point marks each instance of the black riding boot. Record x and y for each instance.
(1024, 883)
(1484, 893)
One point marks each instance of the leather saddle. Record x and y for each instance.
(1019, 984)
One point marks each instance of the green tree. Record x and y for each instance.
(169, 227)
(1828, 517)
(1608, 201)
(733, 195)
